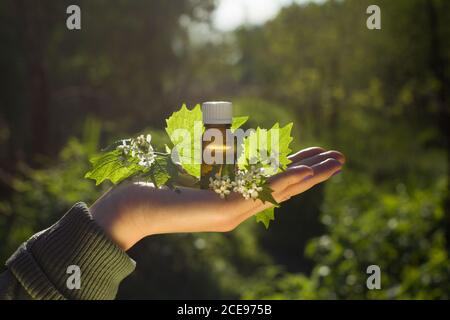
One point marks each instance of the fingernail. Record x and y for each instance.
(308, 177)
(337, 172)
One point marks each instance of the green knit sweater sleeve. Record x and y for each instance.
(73, 259)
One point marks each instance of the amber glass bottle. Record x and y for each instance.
(218, 145)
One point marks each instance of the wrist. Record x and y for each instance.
(115, 216)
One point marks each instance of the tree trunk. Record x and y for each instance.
(439, 67)
(31, 15)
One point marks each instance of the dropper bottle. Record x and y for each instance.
(218, 146)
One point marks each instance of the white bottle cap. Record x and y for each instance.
(217, 112)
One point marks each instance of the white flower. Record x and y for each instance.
(248, 182)
(139, 148)
(221, 185)
(125, 147)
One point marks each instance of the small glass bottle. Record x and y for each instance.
(218, 144)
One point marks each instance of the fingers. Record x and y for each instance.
(325, 169)
(304, 154)
(318, 158)
(309, 167)
(289, 177)
(322, 171)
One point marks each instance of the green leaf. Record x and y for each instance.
(111, 166)
(237, 122)
(285, 141)
(263, 140)
(266, 216)
(190, 121)
(161, 171)
(265, 195)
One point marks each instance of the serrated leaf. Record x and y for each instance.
(265, 195)
(237, 122)
(285, 141)
(266, 216)
(161, 171)
(259, 146)
(186, 119)
(110, 166)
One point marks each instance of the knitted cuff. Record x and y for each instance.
(73, 259)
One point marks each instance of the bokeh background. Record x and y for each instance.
(380, 96)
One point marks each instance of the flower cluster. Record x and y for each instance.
(139, 148)
(221, 185)
(247, 182)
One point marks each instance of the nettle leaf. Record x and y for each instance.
(258, 147)
(111, 166)
(266, 216)
(265, 195)
(162, 171)
(285, 141)
(187, 122)
(237, 122)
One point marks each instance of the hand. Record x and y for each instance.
(133, 211)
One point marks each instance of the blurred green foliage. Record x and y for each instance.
(40, 196)
(396, 229)
(381, 97)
